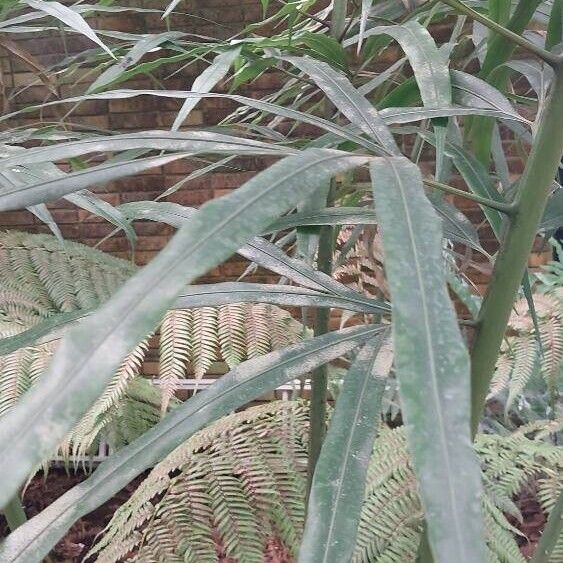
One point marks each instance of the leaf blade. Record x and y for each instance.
(432, 364)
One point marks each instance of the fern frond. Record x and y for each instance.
(175, 352)
(526, 362)
(257, 330)
(231, 332)
(240, 482)
(205, 340)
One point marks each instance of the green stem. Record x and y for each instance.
(507, 208)
(550, 58)
(511, 263)
(319, 383)
(15, 514)
(551, 533)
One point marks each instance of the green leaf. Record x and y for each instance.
(17, 197)
(258, 250)
(96, 205)
(69, 17)
(206, 81)
(326, 47)
(471, 91)
(237, 292)
(555, 26)
(192, 141)
(477, 179)
(347, 100)
(207, 295)
(455, 225)
(553, 215)
(326, 216)
(33, 540)
(47, 330)
(337, 492)
(32, 430)
(410, 114)
(431, 362)
(429, 64)
(260, 105)
(366, 8)
(139, 50)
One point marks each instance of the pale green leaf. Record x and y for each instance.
(69, 17)
(33, 540)
(32, 430)
(431, 362)
(337, 492)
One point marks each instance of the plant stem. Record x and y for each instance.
(551, 533)
(14, 513)
(550, 58)
(507, 208)
(511, 263)
(319, 383)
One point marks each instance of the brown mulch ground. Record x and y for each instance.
(80, 538)
(73, 547)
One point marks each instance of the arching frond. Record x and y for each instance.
(240, 482)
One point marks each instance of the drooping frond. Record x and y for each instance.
(235, 483)
(522, 357)
(359, 261)
(231, 333)
(240, 483)
(41, 277)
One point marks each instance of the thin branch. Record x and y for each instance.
(507, 208)
(550, 58)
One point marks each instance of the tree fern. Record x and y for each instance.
(522, 357)
(41, 276)
(241, 481)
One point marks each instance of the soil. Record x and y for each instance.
(80, 538)
(43, 491)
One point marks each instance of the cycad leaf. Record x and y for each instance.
(34, 428)
(432, 363)
(338, 487)
(256, 377)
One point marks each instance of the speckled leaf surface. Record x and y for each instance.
(432, 363)
(91, 352)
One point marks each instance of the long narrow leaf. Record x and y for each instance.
(337, 492)
(69, 17)
(432, 364)
(206, 81)
(340, 131)
(429, 64)
(31, 430)
(348, 100)
(32, 541)
(258, 250)
(190, 141)
(17, 197)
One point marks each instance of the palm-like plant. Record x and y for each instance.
(367, 120)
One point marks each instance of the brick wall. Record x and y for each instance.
(21, 87)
